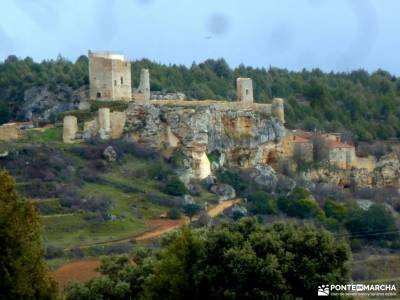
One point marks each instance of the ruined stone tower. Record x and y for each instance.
(278, 109)
(109, 76)
(143, 92)
(244, 89)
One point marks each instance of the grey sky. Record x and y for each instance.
(338, 35)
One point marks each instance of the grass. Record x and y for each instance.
(47, 135)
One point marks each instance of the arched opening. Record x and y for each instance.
(122, 80)
(98, 95)
(247, 92)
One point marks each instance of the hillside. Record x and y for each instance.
(364, 105)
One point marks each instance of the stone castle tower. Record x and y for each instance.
(143, 92)
(109, 76)
(244, 89)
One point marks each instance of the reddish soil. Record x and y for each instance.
(81, 271)
(85, 270)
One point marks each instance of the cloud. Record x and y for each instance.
(218, 24)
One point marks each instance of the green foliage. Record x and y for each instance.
(191, 210)
(300, 204)
(262, 203)
(112, 105)
(358, 102)
(174, 214)
(23, 271)
(174, 186)
(335, 210)
(233, 178)
(241, 260)
(375, 224)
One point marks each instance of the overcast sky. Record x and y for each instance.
(339, 35)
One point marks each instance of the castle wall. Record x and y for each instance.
(9, 132)
(70, 129)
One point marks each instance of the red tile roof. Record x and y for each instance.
(335, 144)
(299, 139)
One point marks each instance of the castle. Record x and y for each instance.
(242, 133)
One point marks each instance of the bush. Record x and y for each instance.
(53, 252)
(262, 203)
(174, 214)
(299, 204)
(233, 178)
(165, 201)
(175, 187)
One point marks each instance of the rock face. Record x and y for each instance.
(265, 175)
(223, 191)
(387, 171)
(41, 104)
(245, 134)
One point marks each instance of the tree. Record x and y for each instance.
(376, 223)
(241, 260)
(191, 210)
(23, 271)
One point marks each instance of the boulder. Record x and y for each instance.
(265, 175)
(109, 154)
(188, 199)
(223, 191)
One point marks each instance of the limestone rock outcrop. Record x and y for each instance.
(109, 154)
(223, 191)
(387, 171)
(43, 103)
(244, 134)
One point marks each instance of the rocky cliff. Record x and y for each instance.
(385, 173)
(238, 134)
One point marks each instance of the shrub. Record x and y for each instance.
(262, 203)
(174, 214)
(165, 201)
(175, 187)
(53, 252)
(299, 204)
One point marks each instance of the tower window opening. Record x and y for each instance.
(98, 95)
(247, 92)
(122, 80)
(115, 83)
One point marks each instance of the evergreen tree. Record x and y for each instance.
(23, 273)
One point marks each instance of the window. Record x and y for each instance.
(247, 92)
(122, 80)
(115, 83)
(98, 95)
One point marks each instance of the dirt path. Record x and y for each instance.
(85, 270)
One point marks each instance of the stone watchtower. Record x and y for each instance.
(109, 76)
(143, 92)
(244, 89)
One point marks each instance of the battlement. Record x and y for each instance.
(107, 55)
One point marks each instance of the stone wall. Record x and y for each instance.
(9, 132)
(109, 77)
